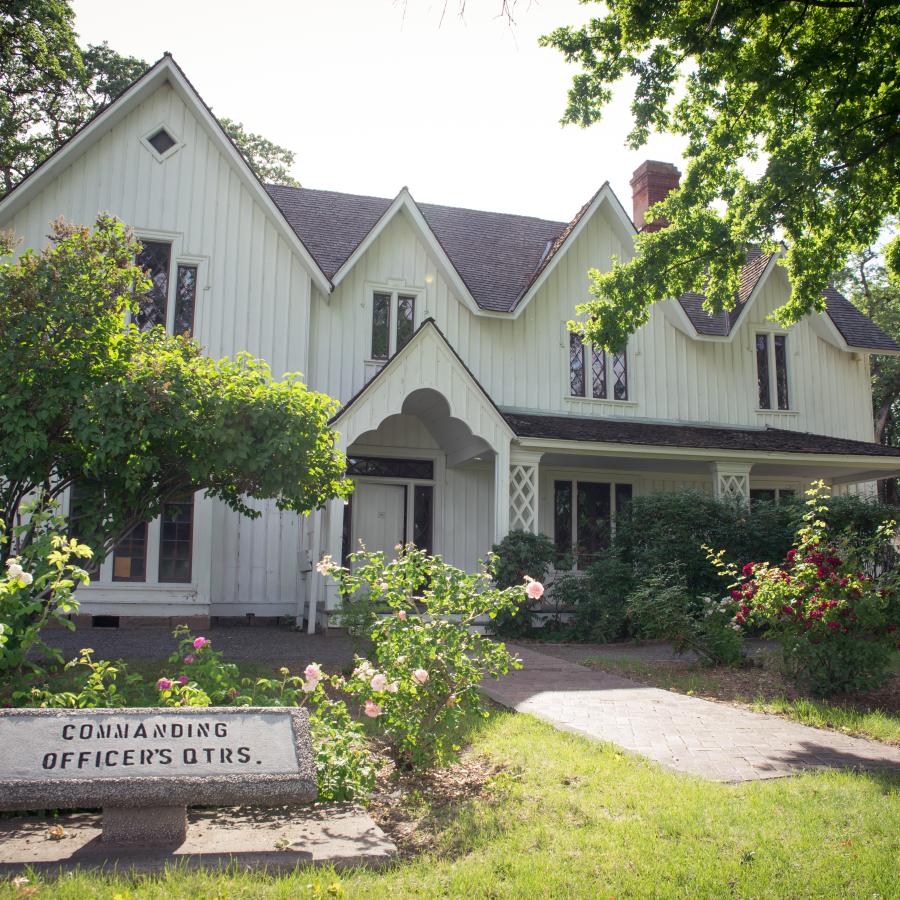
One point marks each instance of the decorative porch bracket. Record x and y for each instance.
(731, 481)
(523, 491)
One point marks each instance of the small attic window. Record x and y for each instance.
(161, 141)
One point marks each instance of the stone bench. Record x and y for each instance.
(144, 767)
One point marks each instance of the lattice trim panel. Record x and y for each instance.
(523, 488)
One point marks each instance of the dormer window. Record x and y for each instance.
(771, 356)
(594, 373)
(393, 322)
(161, 142)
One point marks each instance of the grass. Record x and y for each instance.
(567, 817)
(760, 689)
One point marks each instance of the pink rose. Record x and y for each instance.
(313, 672)
(188, 659)
(163, 684)
(373, 710)
(402, 615)
(182, 679)
(534, 589)
(420, 675)
(200, 643)
(393, 687)
(379, 682)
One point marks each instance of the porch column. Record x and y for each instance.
(501, 491)
(731, 481)
(523, 490)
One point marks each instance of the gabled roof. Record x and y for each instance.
(164, 70)
(857, 331)
(494, 254)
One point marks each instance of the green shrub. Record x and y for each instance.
(829, 602)
(36, 587)
(598, 597)
(519, 555)
(427, 661)
(662, 607)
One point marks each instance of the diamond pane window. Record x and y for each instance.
(406, 318)
(176, 528)
(130, 557)
(620, 376)
(390, 468)
(576, 366)
(161, 141)
(185, 300)
(781, 379)
(154, 259)
(381, 325)
(592, 523)
(598, 373)
(762, 371)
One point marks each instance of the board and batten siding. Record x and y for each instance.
(253, 295)
(523, 362)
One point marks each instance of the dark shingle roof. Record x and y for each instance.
(628, 431)
(499, 255)
(495, 254)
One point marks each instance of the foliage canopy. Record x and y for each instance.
(137, 418)
(807, 93)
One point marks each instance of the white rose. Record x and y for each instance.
(26, 578)
(13, 569)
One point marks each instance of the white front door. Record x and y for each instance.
(379, 513)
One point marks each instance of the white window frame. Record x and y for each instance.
(588, 382)
(161, 157)
(574, 480)
(395, 291)
(773, 372)
(178, 257)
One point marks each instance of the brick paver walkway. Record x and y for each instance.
(713, 740)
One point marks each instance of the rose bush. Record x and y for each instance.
(36, 588)
(427, 653)
(831, 603)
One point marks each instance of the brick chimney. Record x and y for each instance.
(651, 183)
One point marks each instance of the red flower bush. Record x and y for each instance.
(832, 604)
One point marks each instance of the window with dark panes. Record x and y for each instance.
(381, 325)
(185, 300)
(762, 371)
(161, 141)
(598, 373)
(584, 517)
(562, 518)
(155, 259)
(130, 555)
(576, 366)
(423, 515)
(406, 320)
(347, 532)
(592, 521)
(176, 531)
(781, 378)
(620, 376)
(390, 468)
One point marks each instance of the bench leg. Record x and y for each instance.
(145, 825)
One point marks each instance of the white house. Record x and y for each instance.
(467, 408)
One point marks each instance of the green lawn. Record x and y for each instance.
(761, 690)
(568, 817)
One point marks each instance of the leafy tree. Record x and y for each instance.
(868, 285)
(138, 418)
(806, 90)
(269, 161)
(49, 87)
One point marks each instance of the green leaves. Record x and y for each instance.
(810, 90)
(136, 418)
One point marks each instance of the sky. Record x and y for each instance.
(373, 95)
